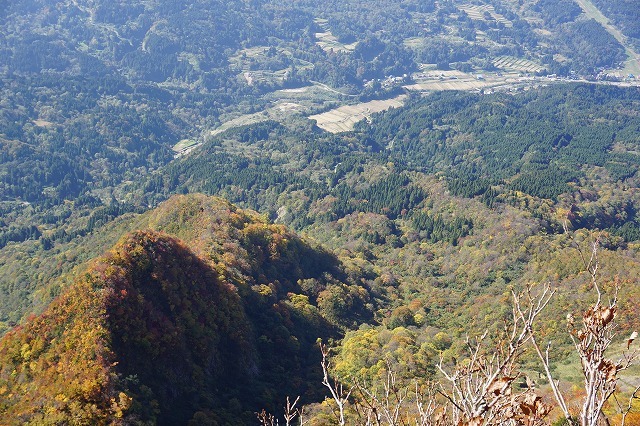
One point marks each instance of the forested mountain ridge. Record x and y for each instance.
(155, 331)
(145, 301)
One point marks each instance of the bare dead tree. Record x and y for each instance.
(591, 341)
(480, 390)
(266, 419)
(385, 406)
(626, 410)
(290, 413)
(338, 393)
(430, 413)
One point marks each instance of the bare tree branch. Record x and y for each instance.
(591, 341)
(338, 393)
(480, 391)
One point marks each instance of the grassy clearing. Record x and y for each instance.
(328, 41)
(343, 119)
(243, 120)
(242, 58)
(42, 123)
(262, 76)
(309, 96)
(286, 102)
(414, 42)
(184, 145)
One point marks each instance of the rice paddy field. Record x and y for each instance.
(436, 80)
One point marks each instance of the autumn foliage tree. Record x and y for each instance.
(489, 386)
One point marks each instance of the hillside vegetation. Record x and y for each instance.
(96, 94)
(225, 322)
(155, 331)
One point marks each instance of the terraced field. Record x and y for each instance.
(517, 64)
(437, 80)
(479, 13)
(328, 41)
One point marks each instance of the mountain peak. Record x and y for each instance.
(159, 329)
(149, 321)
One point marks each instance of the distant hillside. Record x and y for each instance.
(95, 93)
(156, 331)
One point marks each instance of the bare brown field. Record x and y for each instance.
(344, 118)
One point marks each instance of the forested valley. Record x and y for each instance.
(180, 243)
(432, 211)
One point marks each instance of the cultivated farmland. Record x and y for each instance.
(438, 80)
(328, 41)
(343, 119)
(517, 64)
(484, 13)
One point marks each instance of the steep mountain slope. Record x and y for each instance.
(148, 319)
(155, 331)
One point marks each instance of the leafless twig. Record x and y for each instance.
(338, 393)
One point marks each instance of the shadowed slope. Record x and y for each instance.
(164, 331)
(148, 330)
